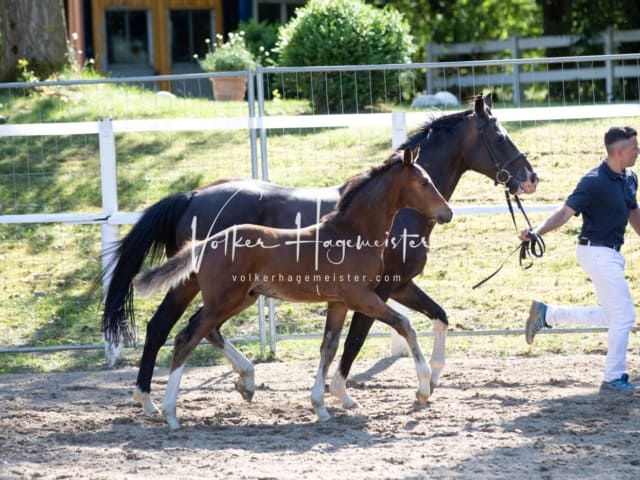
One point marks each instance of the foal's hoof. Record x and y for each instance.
(422, 398)
(247, 395)
(173, 424)
(144, 399)
(323, 414)
(350, 403)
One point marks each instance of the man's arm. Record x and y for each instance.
(556, 220)
(634, 220)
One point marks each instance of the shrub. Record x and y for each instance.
(261, 38)
(346, 32)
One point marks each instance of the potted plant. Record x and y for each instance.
(229, 56)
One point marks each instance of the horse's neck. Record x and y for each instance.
(447, 175)
(444, 163)
(371, 212)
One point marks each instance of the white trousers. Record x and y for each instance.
(605, 268)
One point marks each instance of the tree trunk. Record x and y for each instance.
(556, 16)
(34, 30)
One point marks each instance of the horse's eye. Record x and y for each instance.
(426, 183)
(502, 138)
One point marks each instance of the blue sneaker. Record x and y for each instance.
(620, 385)
(536, 320)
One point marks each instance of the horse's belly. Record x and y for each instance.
(293, 288)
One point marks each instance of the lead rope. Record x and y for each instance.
(534, 247)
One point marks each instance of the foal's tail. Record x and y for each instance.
(153, 235)
(171, 273)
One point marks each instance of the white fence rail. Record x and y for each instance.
(257, 125)
(515, 47)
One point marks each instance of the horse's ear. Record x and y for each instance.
(479, 107)
(415, 154)
(407, 157)
(488, 100)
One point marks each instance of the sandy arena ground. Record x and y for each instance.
(539, 417)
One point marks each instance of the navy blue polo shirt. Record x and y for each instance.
(605, 199)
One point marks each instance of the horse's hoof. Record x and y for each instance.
(350, 403)
(338, 390)
(247, 395)
(173, 424)
(422, 398)
(433, 385)
(150, 408)
(323, 415)
(170, 417)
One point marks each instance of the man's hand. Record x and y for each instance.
(524, 235)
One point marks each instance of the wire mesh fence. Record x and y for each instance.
(309, 127)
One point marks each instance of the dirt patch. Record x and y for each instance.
(538, 417)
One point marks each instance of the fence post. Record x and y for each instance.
(430, 58)
(253, 140)
(259, 125)
(515, 53)
(399, 345)
(608, 50)
(398, 129)
(109, 233)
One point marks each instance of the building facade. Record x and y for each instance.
(158, 37)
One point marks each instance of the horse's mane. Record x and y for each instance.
(358, 182)
(444, 123)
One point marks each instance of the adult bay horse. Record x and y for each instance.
(449, 146)
(338, 261)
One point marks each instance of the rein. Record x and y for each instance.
(534, 247)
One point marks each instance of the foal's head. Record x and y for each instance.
(417, 191)
(400, 182)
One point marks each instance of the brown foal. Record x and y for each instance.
(338, 260)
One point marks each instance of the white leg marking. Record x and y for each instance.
(171, 398)
(424, 379)
(338, 388)
(112, 352)
(422, 369)
(438, 354)
(399, 347)
(244, 368)
(145, 400)
(317, 395)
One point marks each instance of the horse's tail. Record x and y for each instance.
(153, 235)
(171, 273)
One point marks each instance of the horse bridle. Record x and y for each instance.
(503, 176)
(535, 246)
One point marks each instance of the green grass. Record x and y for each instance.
(47, 271)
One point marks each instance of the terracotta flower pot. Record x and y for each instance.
(229, 88)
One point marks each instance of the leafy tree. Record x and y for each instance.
(446, 21)
(452, 21)
(588, 18)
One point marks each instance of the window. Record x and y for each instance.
(128, 37)
(277, 11)
(189, 29)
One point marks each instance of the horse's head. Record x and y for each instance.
(493, 153)
(419, 192)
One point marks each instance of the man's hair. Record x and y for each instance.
(615, 134)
